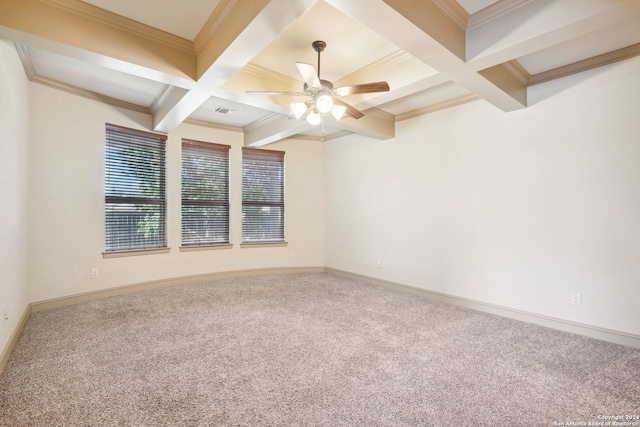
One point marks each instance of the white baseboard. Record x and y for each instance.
(603, 334)
(155, 284)
(6, 352)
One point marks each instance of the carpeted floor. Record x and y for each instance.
(307, 350)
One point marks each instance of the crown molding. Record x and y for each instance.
(260, 122)
(161, 97)
(494, 11)
(25, 58)
(94, 13)
(266, 74)
(89, 94)
(586, 64)
(454, 11)
(378, 66)
(219, 15)
(514, 68)
(437, 107)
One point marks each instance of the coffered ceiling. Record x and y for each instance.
(193, 60)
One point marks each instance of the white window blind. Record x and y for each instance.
(205, 193)
(135, 193)
(262, 196)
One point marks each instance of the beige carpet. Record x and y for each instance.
(305, 350)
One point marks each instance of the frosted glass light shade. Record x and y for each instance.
(298, 109)
(324, 103)
(338, 111)
(314, 118)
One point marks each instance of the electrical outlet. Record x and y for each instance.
(365, 261)
(292, 254)
(5, 316)
(379, 264)
(94, 273)
(575, 298)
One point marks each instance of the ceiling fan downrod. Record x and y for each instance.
(318, 46)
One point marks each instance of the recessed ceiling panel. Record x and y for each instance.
(350, 45)
(182, 18)
(94, 78)
(228, 113)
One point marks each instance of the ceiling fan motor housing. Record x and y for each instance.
(326, 86)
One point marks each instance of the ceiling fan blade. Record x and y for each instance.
(351, 110)
(362, 88)
(266, 92)
(309, 75)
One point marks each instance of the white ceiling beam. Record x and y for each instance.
(176, 107)
(81, 31)
(273, 129)
(375, 124)
(247, 28)
(432, 20)
(541, 24)
(430, 38)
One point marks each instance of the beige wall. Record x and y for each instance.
(517, 209)
(67, 201)
(14, 135)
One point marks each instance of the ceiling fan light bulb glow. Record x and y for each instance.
(314, 118)
(338, 111)
(324, 103)
(298, 109)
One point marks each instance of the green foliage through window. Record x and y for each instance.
(205, 193)
(135, 194)
(262, 196)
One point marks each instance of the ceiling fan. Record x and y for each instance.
(323, 96)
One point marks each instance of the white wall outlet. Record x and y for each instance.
(292, 254)
(365, 261)
(575, 298)
(5, 316)
(95, 273)
(379, 264)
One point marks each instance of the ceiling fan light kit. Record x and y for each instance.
(324, 97)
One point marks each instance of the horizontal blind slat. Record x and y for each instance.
(205, 193)
(262, 195)
(135, 192)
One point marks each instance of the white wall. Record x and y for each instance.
(66, 196)
(14, 136)
(516, 209)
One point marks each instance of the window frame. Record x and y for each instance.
(121, 137)
(276, 161)
(219, 151)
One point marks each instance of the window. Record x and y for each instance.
(262, 196)
(135, 195)
(205, 193)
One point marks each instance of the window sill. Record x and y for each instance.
(205, 247)
(263, 245)
(136, 252)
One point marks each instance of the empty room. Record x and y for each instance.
(320, 212)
